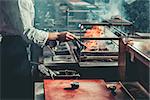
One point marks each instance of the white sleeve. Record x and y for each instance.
(27, 16)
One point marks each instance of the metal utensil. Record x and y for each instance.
(81, 43)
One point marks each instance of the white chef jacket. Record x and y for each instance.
(17, 18)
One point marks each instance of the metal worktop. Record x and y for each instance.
(140, 49)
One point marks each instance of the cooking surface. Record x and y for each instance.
(88, 89)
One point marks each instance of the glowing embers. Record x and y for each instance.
(95, 31)
(95, 45)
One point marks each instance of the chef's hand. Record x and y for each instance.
(65, 36)
(61, 36)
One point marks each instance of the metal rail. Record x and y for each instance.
(126, 91)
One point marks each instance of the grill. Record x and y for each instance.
(104, 53)
(99, 49)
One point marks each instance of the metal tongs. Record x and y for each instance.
(81, 43)
(44, 70)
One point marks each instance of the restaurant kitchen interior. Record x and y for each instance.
(112, 48)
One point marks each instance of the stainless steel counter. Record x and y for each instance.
(141, 50)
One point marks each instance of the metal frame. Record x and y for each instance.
(107, 52)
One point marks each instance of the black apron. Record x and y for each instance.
(15, 69)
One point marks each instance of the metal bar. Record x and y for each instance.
(124, 35)
(119, 31)
(107, 23)
(122, 59)
(120, 23)
(100, 53)
(98, 64)
(91, 24)
(99, 58)
(104, 38)
(126, 91)
(128, 21)
(143, 89)
(115, 43)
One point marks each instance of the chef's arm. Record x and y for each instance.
(34, 35)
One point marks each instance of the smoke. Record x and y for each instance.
(109, 9)
(106, 10)
(114, 8)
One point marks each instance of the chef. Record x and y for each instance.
(17, 30)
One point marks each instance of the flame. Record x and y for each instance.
(94, 32)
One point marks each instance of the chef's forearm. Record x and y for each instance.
(36, 36)
(53, 35)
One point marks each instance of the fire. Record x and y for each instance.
(94, 32)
